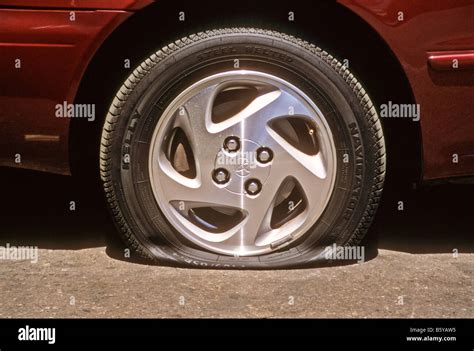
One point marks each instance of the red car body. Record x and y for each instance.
(44, 55)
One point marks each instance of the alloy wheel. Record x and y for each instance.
(242, 163)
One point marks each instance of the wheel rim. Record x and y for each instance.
(242, 163)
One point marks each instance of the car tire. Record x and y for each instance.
(218, 80)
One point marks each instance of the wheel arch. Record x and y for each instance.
(369, 58)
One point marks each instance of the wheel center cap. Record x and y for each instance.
(243, 169)
(242, 165)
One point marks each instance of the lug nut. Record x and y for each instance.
(221, 176)
(264, 155)
(232, 144)
(253, 186)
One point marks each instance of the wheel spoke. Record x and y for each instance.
(194, 119)
(316, 164)
(258, 215)
(252, 110)
(179, 188)
(196, 112)
(253, 121)
(311, 173)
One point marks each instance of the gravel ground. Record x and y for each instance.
(88, 283)
(79, 273)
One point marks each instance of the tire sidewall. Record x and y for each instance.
(301, 67)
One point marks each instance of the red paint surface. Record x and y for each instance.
(55, 52)
(446, 98)
(78, 4)
(451, 60)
